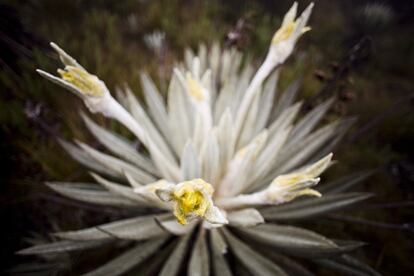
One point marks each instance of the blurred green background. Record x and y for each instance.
(361, 51)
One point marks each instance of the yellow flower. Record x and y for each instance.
(86, 83)
(290, 25)
(189, 201)
(283, 188)
(287, 187)
(192, 199)
(286, 31)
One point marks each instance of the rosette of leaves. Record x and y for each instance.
(216, 191)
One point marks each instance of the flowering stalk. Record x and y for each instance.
(281, 47)
(98, 99)
(283, 188)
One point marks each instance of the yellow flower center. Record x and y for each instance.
(85, 82)
(286, 31)
(191, 200)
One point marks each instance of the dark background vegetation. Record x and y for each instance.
(362, 51)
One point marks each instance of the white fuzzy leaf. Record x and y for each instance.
(224, 139)
(173, 227)
(219, 248)
(173, 263)
(245, 218)
(311, 207)
(266, 101)
(240, 167)
(199, 260)
(249, 125)
(296, 155)
(344, 183)
(188, 57)
(286, 99)
(127, 260)
(285, 119)
(190, 164)
(94, 196)
(119, 146)
(308, 123)
(267, 158)
(218, 241)
(140, 228)
(253, 261)
(210, 159)
(60, 247)
(121, 190)
(225, 98)
(60, 82)
(85, 159)
(180, 113)
(295, 241)
(202, 55)
(215, 54)
(116, 165)
(153, 134)
(156, 104)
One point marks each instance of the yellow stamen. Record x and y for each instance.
(284, 32)
(190, 199)
(85, 82)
